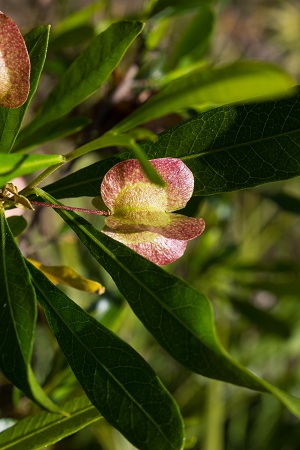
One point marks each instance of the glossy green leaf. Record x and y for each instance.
(227, 149)
(239, 82)
(12, 166)
(119, 383)
(17, 319)
(44, 429)
(178, 316)
(11, 119)
(88, 72)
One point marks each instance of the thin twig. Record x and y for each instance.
(71, 208)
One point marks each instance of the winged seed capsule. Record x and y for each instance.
(142, 213)
(14, 65)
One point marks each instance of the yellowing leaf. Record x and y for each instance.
(69, 277)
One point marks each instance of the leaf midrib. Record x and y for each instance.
(113, 257)
(49, 426)
(248, 143)
(138, 281)
(107, 58)
(108, 371)
(194, 155)
(9, 299)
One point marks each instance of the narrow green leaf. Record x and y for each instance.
(178, 316)
(119, 383)
(149, 170)
(227, 149)
(239, 82)
(12, 166)
(18, 307)
(11, 119)
(87, 73)
(44, 429)
(17, 318)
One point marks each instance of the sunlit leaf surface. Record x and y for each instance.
(17, 318)
(43, 429)
(227, 149)
(185, 316)
(87, 73)
(119, 383)
(13, 166)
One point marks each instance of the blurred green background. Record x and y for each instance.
(247, 261)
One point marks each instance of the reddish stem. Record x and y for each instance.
(71, 208)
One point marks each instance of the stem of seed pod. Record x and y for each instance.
(71, 208)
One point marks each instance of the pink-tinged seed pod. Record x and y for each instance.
(141, 213)
(14, 65)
